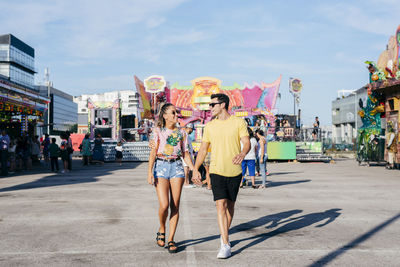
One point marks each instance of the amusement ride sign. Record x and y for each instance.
(295, 85)
(155, 84)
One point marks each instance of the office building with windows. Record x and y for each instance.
(21, 106)
(63, 111)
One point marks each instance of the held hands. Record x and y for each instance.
(196, 177)
(238, 159)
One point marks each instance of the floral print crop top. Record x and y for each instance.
(171, 143)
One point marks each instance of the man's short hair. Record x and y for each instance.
(222, 98)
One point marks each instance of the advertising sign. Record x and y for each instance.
(155, 84)
(295, 85)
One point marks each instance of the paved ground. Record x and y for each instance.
(313, 214)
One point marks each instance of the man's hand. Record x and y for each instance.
(196, 177)
(238, 158)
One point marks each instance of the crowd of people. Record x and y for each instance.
(22, 153)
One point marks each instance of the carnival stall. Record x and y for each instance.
(21, 109)
(248, 101)
(381, 113)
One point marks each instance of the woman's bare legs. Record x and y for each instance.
(162, 188)
(176, 190)
(253, 182)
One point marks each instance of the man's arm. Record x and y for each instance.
(201, 155)
(246, 147)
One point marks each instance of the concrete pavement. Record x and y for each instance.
(312, 214)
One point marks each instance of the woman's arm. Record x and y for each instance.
(262, 144)
(188, 160)
(152, 159)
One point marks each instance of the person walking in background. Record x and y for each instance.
(263, 156)
(315, 129)
(4, 144)
(69, 149)
(165, 171)
(206, 165)
(391, 145)
(249, 161)
(35, 148)
(54, 152)
(45, 150)
(26, 151)
(98, 154)
(86, 150)
(12, 156)
(64, 153)
(118, 153)
(189, 130)
(19, 154)
(224, 133)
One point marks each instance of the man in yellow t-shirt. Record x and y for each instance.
(224, 134)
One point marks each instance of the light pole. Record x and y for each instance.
(355, 112)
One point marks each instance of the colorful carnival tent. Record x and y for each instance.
(193, 100)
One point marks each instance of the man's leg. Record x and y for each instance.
(222, 213)
(230, 212)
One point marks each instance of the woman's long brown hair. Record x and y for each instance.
(161, 120)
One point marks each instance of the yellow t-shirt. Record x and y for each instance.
(224, 137)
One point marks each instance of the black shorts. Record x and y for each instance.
(224, 187)
(118, 155)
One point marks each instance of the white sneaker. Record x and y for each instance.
(222, 242)
(224, 252)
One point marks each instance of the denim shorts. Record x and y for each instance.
(168, 170)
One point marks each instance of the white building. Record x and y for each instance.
(129, 105)
(345, 118)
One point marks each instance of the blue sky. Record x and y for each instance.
(97, 46)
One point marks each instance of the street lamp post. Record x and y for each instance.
(355, 117)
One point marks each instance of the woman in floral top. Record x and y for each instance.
(166, 170)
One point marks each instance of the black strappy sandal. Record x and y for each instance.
(172, 244)
(160, 238)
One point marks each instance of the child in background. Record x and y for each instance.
(64, 154)
(118, 154)
(54, 151)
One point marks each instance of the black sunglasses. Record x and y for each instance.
(175, 112)
(213, 104)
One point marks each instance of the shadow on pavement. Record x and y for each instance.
(272, 219)
(292, 224)
(354, 243)
(281, 183)
(79, 174)
(282, 173)
(274, 184)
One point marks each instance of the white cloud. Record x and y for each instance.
(367, 16)
(85, 29)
